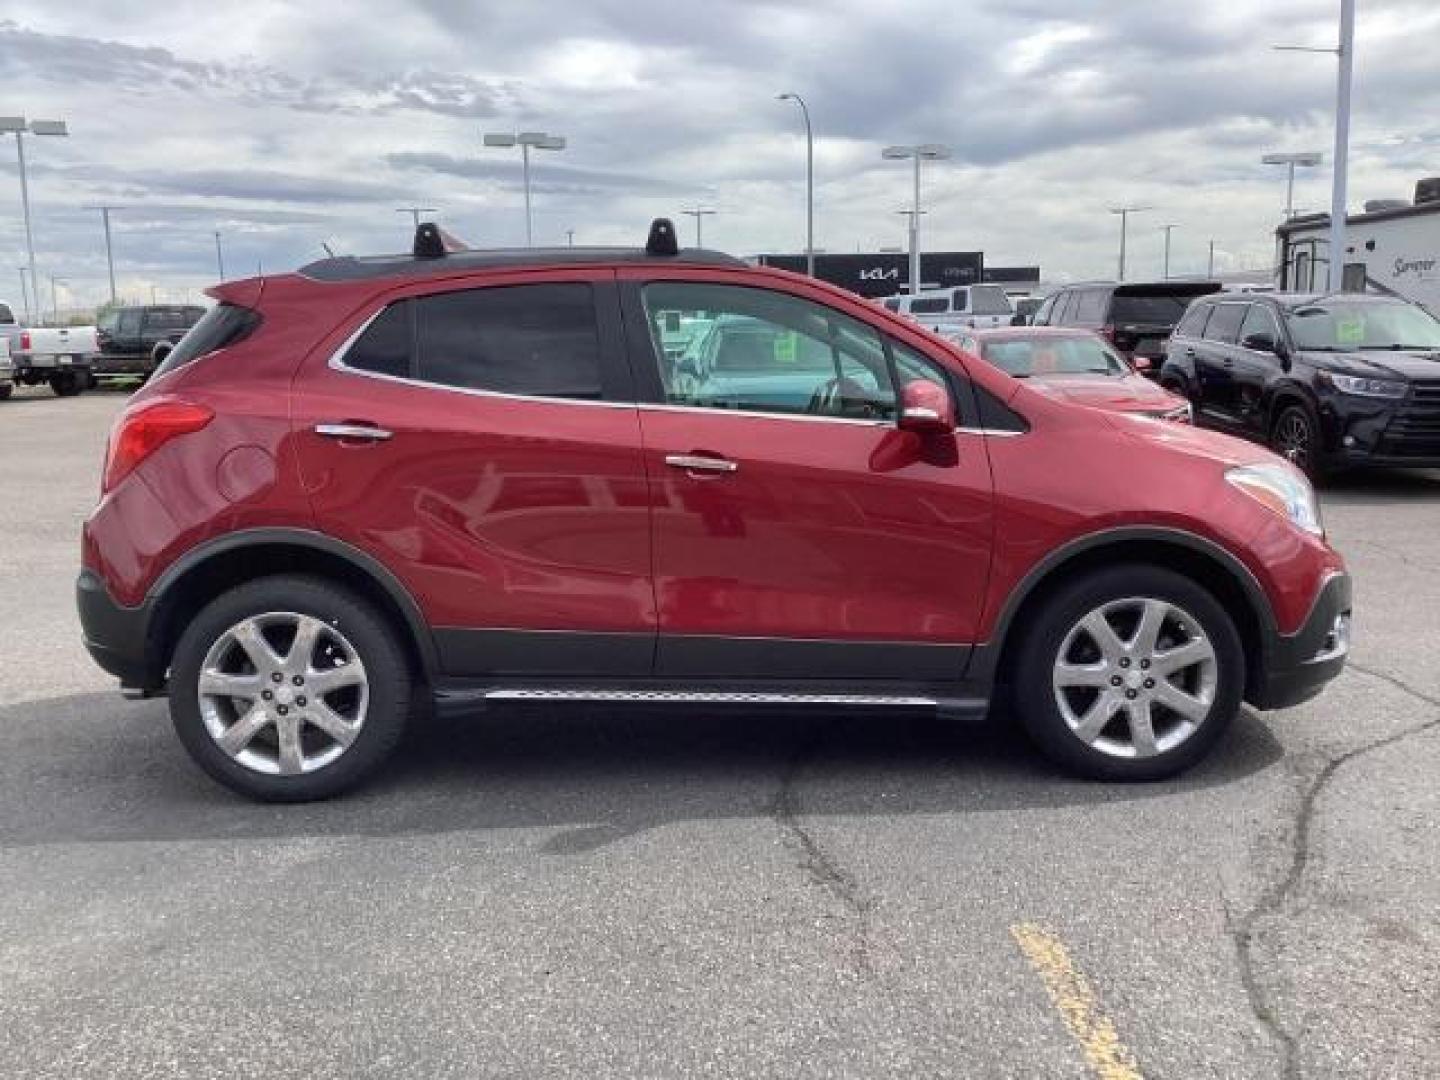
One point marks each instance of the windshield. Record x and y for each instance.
(1024, 357)
(1342, 326)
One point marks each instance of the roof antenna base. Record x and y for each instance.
(662, 238)
(429, 244)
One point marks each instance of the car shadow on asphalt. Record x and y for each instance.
(93, 769)
(1382, 487)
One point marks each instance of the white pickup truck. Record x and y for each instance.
(950, 311)
(60, 356)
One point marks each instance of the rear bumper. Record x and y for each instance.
(117, 637)
(1299, 665)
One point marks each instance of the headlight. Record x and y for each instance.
(1284, 489)
(1355, 384)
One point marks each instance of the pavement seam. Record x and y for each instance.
(822, 868)
(1273, 899)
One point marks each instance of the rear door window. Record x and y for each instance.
(1224, 324)
(385, 347)
(1156, 310)
(1193, 324)
(533, 340)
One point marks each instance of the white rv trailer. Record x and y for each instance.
(1391, 248)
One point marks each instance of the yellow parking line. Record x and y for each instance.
(1072, 994)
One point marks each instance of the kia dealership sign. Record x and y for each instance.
(886, 273)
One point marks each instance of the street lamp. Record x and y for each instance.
(18, 126)
(917, 153)
(109, 255)
(1344, 51)
(697, 214)
(1166, 229)
(219, 256)
(1308, 159)
(25, 294)
(1125, 212)
(415, 212)
(809, 181)
(526, 140)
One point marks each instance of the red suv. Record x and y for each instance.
(666, 476)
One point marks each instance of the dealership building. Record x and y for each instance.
(885, 273)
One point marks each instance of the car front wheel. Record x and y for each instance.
(1296, 438)
(1129, 673)
(288, 689)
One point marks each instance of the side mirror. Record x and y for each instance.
(1260, 343)
(926, 409)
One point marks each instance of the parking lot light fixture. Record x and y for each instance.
(809, 180)
(915, 153)
(1307, 159)
(415, 212)
(697, 213)
(19, 127)
(526, 140)
(1125, 212)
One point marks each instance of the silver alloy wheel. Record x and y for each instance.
(1292, 438)
(283, 693)
(1135, 677)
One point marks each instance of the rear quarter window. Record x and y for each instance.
(220, 327)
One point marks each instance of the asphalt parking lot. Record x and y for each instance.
(597, 893)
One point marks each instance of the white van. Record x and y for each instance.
(965, 307)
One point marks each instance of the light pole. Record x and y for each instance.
(1307, 159)
(809, 181)
(1344, 51)
(109, 254)
(539, 140)
(1210, 265)
(569, 237)
(55, 282)
(219, 256)
(25, 295)
(917, 153)
(1125, 212)
(697, 214)
(1166, 229)
(415, 212)
(18, 126)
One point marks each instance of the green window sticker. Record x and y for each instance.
(1350, 330)
(785, 348)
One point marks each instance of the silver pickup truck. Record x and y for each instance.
(60, 355)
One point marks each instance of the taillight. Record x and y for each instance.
(140, 433)
(25, 341)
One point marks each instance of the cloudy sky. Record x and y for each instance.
(289, 125)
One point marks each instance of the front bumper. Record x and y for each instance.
(1297, 666)
(117, 637)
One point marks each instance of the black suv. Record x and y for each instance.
(1326, 380)
(1135, 316)
(135, 340)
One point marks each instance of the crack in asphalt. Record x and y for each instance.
(820, 865)
(1275, 898)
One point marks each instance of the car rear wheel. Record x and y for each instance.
(1295, 436)
(289, 689)
(66, 383)
(1129, 673)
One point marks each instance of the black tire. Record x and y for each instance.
(377, 646)
(1046, 632)
(1295, 436)
(66, 384)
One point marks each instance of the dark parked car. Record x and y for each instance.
(1136, 317)
(135, 340)
(482, 477)
(1326, 380)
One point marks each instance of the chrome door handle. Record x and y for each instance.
(700, 463)
(353, 431)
